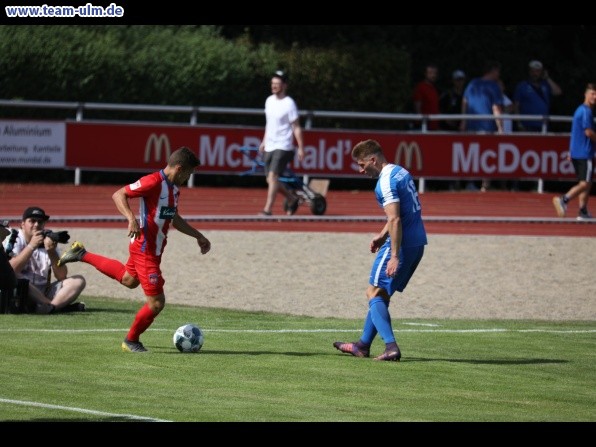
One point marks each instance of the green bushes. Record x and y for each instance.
(190, 65)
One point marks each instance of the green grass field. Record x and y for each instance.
(259, 367)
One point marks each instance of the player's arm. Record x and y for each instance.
(394, 229)
(120, 198)
(378, 241)
(184, 227)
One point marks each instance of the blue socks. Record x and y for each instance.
(378, 314)
(368, 333)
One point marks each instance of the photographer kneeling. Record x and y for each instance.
(34, 255)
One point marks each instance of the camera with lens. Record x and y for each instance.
(60, 237)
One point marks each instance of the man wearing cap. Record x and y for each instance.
(34, 256)
(533, 96)
(281, 128)
(450, 100)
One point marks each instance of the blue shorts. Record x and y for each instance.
(409, 258)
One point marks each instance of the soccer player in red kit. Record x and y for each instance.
(158, 193)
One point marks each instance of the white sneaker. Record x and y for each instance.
(584, 216)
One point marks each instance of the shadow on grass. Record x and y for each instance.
(211, 352)
(488, 361)
(99, 310)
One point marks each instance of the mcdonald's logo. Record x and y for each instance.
(408, 150)
(157, 143)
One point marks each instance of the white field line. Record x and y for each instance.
(80, 410)
(300, 331)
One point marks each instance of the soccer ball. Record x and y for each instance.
(188, 338)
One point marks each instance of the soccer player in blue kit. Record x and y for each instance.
(399, 247)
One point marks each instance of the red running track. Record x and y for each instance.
(220, 208)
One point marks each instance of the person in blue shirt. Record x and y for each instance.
(581, 153)
(399, 248)
(483, 96)
(533, 96)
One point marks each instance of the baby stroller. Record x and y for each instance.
(303, 192)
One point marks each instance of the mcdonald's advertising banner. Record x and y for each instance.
(145, 147)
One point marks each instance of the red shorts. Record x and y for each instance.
(146, 269)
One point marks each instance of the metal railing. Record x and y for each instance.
(310, 116)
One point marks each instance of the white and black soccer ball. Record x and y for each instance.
(188, 338)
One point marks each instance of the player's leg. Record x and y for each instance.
(110, 267)
(360, 348)
(152, 282)
(381, 318)
(382, 288)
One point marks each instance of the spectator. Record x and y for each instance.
(399, 248)
(450, 101)
(282, 126)
(426, 96)
(34, 256)
(581, 153)
(533, 96)
(159, 193)
(483, 96)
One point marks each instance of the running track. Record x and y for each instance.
(220, 208)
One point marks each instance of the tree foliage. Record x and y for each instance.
(365, 68)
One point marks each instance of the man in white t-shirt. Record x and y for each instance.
(283, 125)
(34, 256)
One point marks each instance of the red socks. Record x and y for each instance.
(109, 267)
(143, 320)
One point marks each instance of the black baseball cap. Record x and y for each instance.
(281, 75)
(35, 212)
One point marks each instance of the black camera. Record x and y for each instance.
(60, 237)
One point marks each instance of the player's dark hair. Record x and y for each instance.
(590, 86)
(184, 157)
